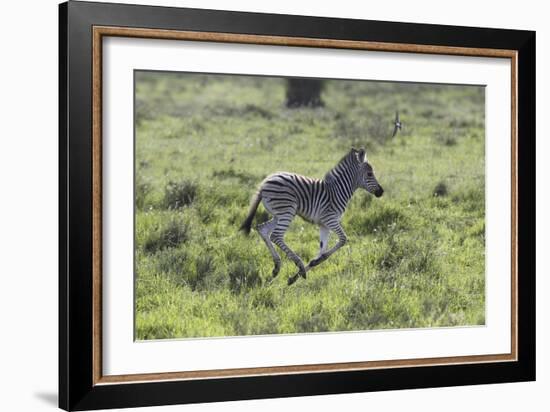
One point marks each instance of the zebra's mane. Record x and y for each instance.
(349, 159)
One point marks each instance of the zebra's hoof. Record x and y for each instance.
(302, 274)
(292, 279)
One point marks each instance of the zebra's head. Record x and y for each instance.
(367, 179)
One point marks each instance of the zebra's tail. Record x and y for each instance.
(247, 224)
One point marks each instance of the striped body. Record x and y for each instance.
(288, 192)
(322, 202)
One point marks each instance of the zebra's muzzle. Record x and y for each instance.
(379, 192)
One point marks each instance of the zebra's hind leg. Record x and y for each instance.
(265, 230)
(277, 236)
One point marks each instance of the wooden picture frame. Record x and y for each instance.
(83, 26)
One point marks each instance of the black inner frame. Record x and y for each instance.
(76, 388)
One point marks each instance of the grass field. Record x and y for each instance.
(414, 258)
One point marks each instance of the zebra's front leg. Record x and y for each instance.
(324, 235)
(265, 230)
(342, 239)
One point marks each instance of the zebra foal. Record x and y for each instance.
(322, 202)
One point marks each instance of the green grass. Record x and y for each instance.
(415, 257)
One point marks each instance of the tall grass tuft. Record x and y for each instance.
(180, 194)
(168, 235)
(243, 276)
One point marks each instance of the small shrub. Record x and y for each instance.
(440, 190)
(169, 235)
(180, 194)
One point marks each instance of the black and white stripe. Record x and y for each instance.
(285, 195)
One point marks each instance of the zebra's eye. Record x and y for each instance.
(369, 174)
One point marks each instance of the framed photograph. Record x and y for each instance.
(256, 206)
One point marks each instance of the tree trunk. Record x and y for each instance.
(304, 93)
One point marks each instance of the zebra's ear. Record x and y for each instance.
(361, 155)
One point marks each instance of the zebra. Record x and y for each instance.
(322, 202)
